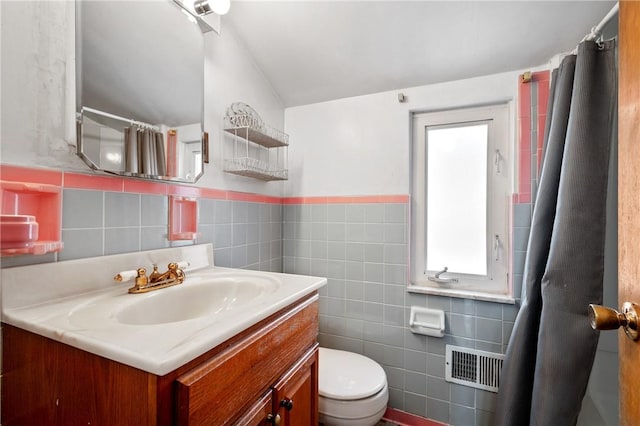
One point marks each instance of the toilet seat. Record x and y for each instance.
(353, 389)
(347, 376)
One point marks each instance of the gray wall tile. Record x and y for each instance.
(223, 211)
(375, 351)
(240, 212)
(82, 209)
(354, 289)
(394, 315)
(395, 376)
(319, 250)
(81, 243)
(395, 233)
(153, 237)
(522, 215)
(336, 231)
(462, 325)
(395, 213)
(394, 356)
(438, 410)
(415, 361)
(206, 209)
(489, 330)
(436, 365)
(336, 250)
(121, 209)
(374, 213)
(354, 213)
(489, 310)
(374, 233)
(415, 382)
(121, 240)
(396, 398)
(373, 252)
(415, 404)
(462, 416)
(463, 395)
(336, 213)
(319, 213)
(354, 252)
(437, 388)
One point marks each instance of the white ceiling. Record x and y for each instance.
(313, 51)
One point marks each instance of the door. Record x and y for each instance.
(295, 396)
(629, 201)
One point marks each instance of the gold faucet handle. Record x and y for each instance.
(126, 275)
(183, 265)
(154, 275)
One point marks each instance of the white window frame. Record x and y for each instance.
(495, 285)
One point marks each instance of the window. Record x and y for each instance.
(460, 200)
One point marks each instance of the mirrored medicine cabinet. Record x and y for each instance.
(140, 89)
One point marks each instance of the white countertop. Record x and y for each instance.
(62, 301)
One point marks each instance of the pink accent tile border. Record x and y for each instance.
(524, 140)
(102, 183)
(543, 78)
(253, 198)
(215, 194)
(30, 175)
(75, 180)
(407, 419)
(185, 191)
(365, 199)
(526, 146)
(144, 187)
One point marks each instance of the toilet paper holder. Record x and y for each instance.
(429, 322)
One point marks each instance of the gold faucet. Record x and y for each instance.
(155, 280)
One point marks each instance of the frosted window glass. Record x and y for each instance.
(457, 198)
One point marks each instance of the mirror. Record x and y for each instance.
(140, 89)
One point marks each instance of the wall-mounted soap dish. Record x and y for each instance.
(31, 218)
(429, 322)
(183, 218)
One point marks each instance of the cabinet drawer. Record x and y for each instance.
(257, 414)
(218, 390)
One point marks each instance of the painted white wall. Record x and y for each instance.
(361, 145)
(35, 40)
(38, 92)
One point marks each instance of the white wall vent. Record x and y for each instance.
(474, 368)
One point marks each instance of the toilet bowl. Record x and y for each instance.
(353, 389)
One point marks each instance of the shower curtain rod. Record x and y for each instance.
(117, 117)
(597, 30)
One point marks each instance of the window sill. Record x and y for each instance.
(463, 294)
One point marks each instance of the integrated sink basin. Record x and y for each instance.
(195, 299)
(203, 295)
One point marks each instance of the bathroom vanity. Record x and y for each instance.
(253, 360)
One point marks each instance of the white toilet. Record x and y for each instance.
(353, 389)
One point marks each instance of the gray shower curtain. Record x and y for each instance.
(552, 346)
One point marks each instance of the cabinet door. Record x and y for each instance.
(295, 395)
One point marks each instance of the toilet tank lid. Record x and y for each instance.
(348, 376)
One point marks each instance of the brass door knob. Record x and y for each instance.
(274, 420)
(603, 318)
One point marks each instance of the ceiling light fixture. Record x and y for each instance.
(204, 7)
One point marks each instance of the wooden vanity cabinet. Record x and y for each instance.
(267, 374)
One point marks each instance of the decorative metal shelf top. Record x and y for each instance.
(254, 130)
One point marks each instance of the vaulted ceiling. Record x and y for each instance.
(313, 51)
